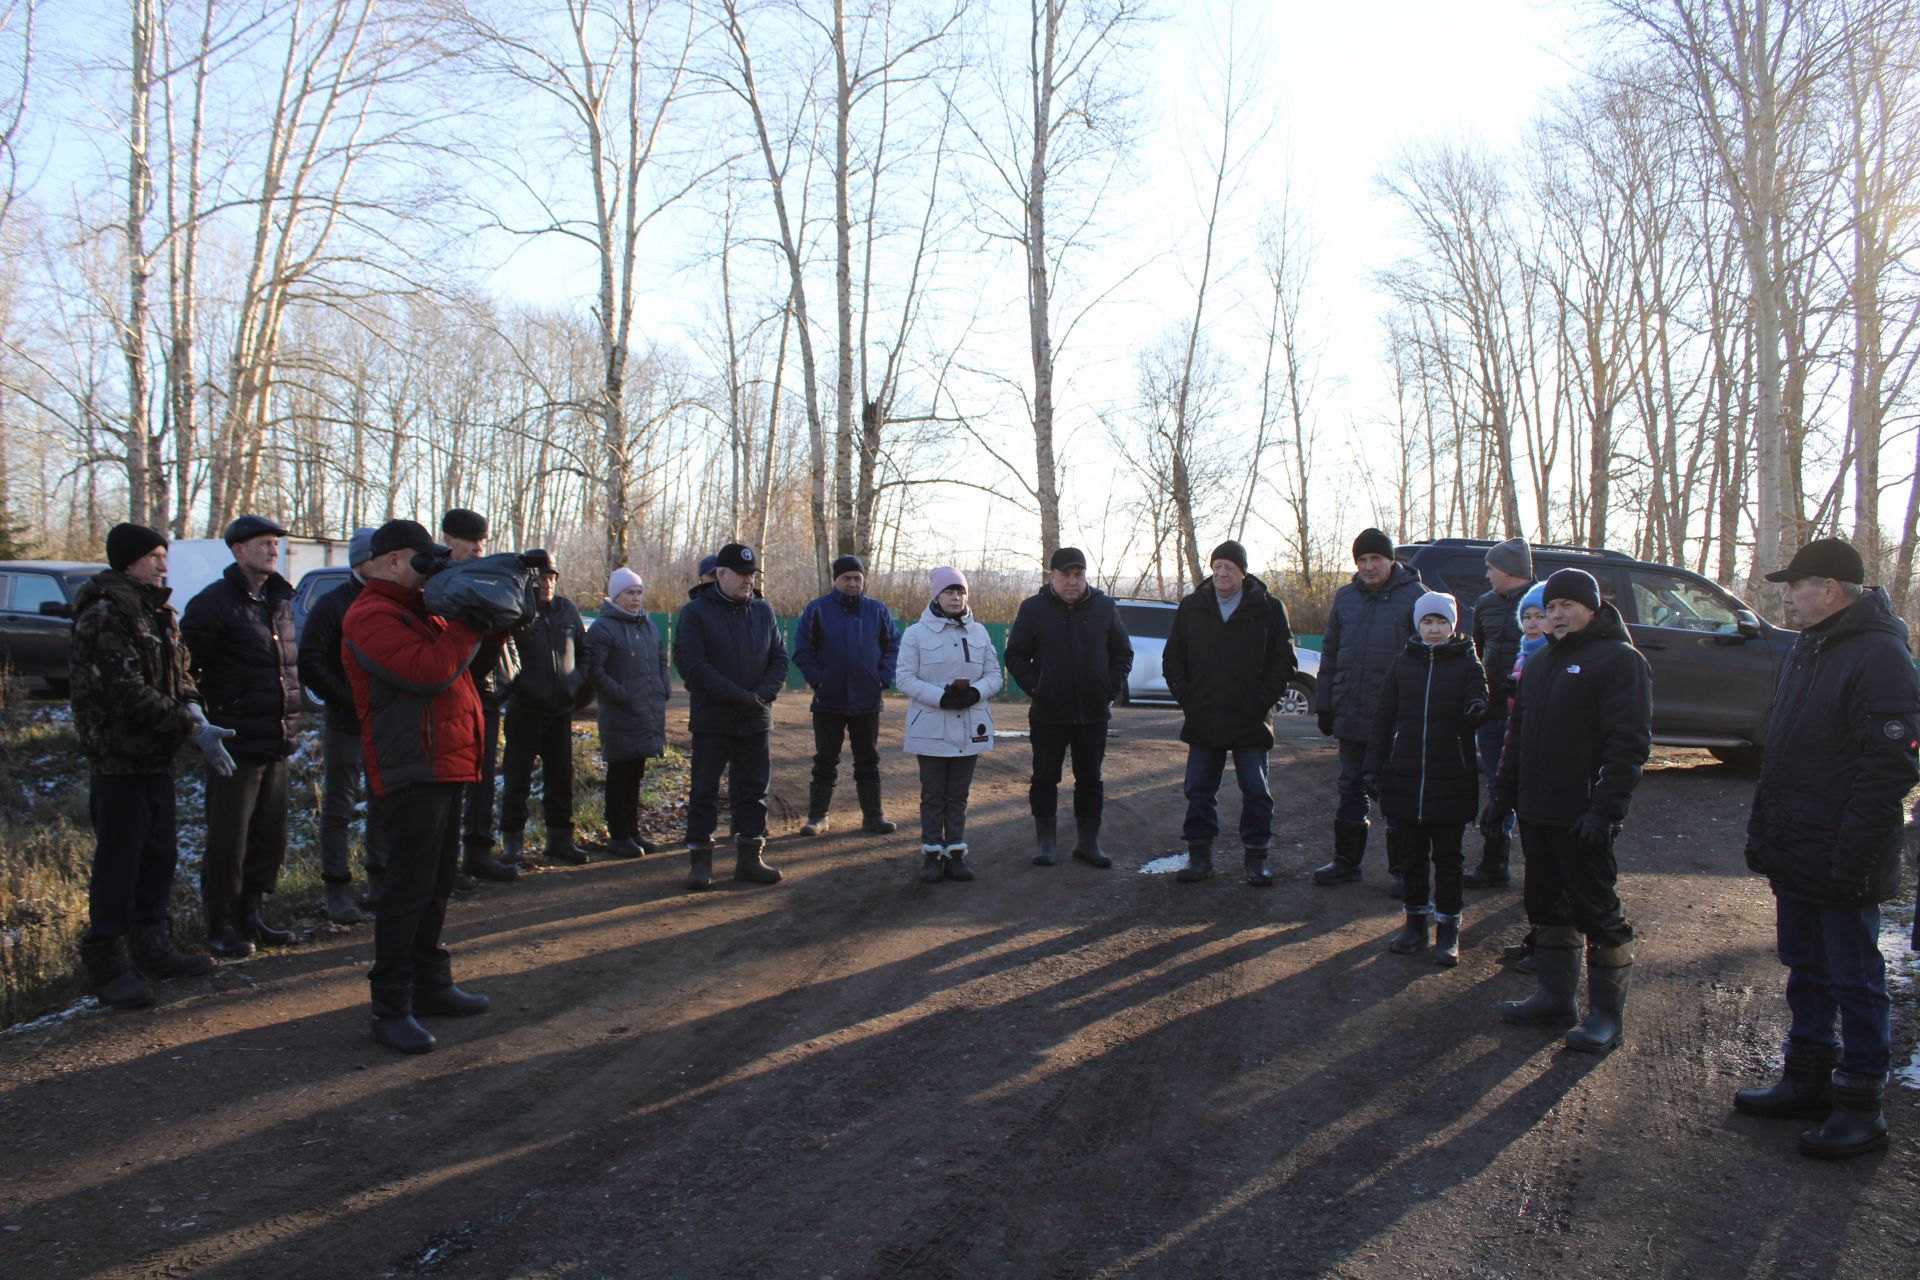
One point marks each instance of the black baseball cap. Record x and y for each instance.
(1068, 558)
(405, 535)
(251, 527)
(1824, 558)
(739, 557)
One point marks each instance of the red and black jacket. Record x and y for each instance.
(420, 717)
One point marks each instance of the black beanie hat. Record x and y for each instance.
(1372, 542)
(1230, 550)
(1576, 585)
(848, 564)
(128, 542)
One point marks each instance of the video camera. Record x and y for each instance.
(489, 593)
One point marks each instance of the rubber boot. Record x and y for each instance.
(224, 938)
(1413, 935)
(1349, 847)
(478, 861)
(1857, 1124)
(1492, 871)
(156, 957)
(956, 867)
(874, 820)
(819, 802)
(749, 866)
(1046, 839)
(1446, 940)
(1086, 843)
(1199, 863)
(1259, 871)
(393, 1022)
(513, 849)
(340, 905)
(932, 856)
(436, 995)
(561, 848)
(624, 847)
(1555, 999)
(1804, 1090)
(110, 979)
(255, 927)
(464, 881)
(700, 866)
(1609, 972)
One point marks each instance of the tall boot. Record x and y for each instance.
(109, 978)
(1446, 940)
(1609, 971)
(155, 955)
(700, 866)
(1555, 999)
(561, 848)
(819, 803)
(513, 849)
(932, 863)
(1492, 871)
(1046, 837)
(1804, 1090)
(874, 820)
(1857, 1124)
(1086, 842)
(1349, 847)
(255, 927)
(393, 1022)
(1396, 861)
(1259, 870)
(1199, 862)
(224, 938)
(434, 991)
(1413, 935)
(748, 864)
(956, 867)
(339, 903)
(478, 861)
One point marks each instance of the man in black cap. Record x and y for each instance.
(1497, 636)
(728, 650)
(1826, 829)
(1582, 727)
(846, 645)
(1069, 651)
(493, 670)
(325, 676)
(245, 659)
(134, 704)
(1369, 624)
(541, 699)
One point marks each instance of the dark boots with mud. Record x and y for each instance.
(933, 858)
(156, 957)
(1492, 871)
(109, 978)
(224, 938)
(1086, 843)
(1804, 1090)
(873, 818)
(256, 927)
(513, 850)
(393, 1022)
(561, 848)
(1046, 839)
(819, 809)
(1609, 971)
(1259, 871)
(1857, 1125)
(340, 906)
(1199, 863)
(699, 866)
(748, 865)
(1413, 936)
(1349, 847)
(956, 867)
(436, 995)
(1446, 940)
(477, 860)
(1556, 1000)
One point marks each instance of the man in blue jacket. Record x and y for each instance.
(846, 645)
(1070, 653)
(728, 650)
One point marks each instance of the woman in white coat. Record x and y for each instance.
(948, 670)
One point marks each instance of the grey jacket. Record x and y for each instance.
(627, 665)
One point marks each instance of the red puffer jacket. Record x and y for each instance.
(420, 718)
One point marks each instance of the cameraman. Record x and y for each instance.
(493, 670)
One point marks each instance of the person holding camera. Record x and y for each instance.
(493, 670)
(729, 652)
(541, 699)
(420, 732)
(948, 668)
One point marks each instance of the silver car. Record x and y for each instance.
(1150, 622)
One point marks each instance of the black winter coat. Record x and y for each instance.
(1581, 729)
(552, 680)
(1071, 659)
(1365, 631)
(730, 654)
(626, 661)
(1227, 675)
(1828, 811)
(1497, 636)
(1422, 752)
(321, 669)
(245, 661)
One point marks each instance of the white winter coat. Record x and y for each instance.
(934, 652)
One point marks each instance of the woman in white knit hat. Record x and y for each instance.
(627, 664)
(948, 669)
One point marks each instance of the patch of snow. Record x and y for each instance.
(78, 1007)
(1164, 866)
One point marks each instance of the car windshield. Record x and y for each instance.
(1147, 621)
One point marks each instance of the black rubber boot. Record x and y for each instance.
(700, 866)
(340, 906)
(1413, 935)
(1046, 839)
(393, 1022)
(561, 848)
(1804, 1090)
(1556, 997)
(513, 849)
(1259, 871)
(749, 866)
(156, 957)
(819, 804)
(1492, 871)
(436, 995)
(1609, 973)
(110, 979)
(932, 858)
(1086, 843)
(624, 847)
(224, 938)
(1199, 863)
(1446, 940)
(1349, 847)
(873, 819)
(478, 860)
(262, 933)
(956, 867)
(1857, 1124)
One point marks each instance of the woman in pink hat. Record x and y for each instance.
(948, 669)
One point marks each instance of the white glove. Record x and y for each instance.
(208, 737)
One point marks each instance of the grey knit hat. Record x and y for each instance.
(1513, 556)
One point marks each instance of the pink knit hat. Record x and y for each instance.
(944, 576)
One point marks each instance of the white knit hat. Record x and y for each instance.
(1437, 602)
(623, 578)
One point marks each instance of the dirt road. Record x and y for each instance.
(1053, 1072)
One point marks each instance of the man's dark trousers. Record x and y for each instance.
(549, 737)
(420, 826)
(861, 732)
(479, 797)
(1051, 745)
(134, 851)
(748, 761)
(343, 783)
(1835, 972)
(1571, 882)
(246, 831)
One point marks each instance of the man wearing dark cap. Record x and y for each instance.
(1496, 636)
(541, 699)
(420, 723)
(134, 704)
(1582, 727)
(493, 669)
(325, 676)
(1826, 832)
(708, 564)
(1069, 651)
(1369, 624)
(846, 645)
(245, 659)
(1227, 662)
(728, 651)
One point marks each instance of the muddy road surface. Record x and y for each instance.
(1057, 1073)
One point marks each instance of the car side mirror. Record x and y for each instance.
(1747, 624)
(55, 609)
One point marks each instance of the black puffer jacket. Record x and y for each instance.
(1422, 752)
(733, 660)
(1365, 631)
(1227, 675)
(552, 678)
(1497, 636)
(245, 660)
(626, 661)
(1581, 729)
(1071, 659)
(321, 669)
(1828, 811)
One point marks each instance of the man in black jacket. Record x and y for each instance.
(1227, 662)
(728, 650)
(325, 677)
(1070, 653)
(1582, 728)
(1496, 637)
(1826, 832)
(493, 667)
(541, 700)
(245, 659)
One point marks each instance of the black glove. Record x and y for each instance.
(1591, 828)
(535, 558)
(1476, 711)
(956, 697)
(1325, 719)
(1493, 819)
(1370, 783)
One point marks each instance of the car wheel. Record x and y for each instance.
(1746, 759)
(1297, 700)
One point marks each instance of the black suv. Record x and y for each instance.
(36, 617)
(1715, 661)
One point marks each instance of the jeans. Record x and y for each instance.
(944, 784)
(747, 761)
(246, 831)
(861, 732)
(343, 783)
(420, 824)
(1490, 738)
(1571, 882)
(1353, 788)
(623, 798)
(1835, 971)
(1051, 745)
(1435, 844)
(134, 851)
(478, 824)
(1205, 765)
(549, 737)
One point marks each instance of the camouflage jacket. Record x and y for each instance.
(129, 673)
